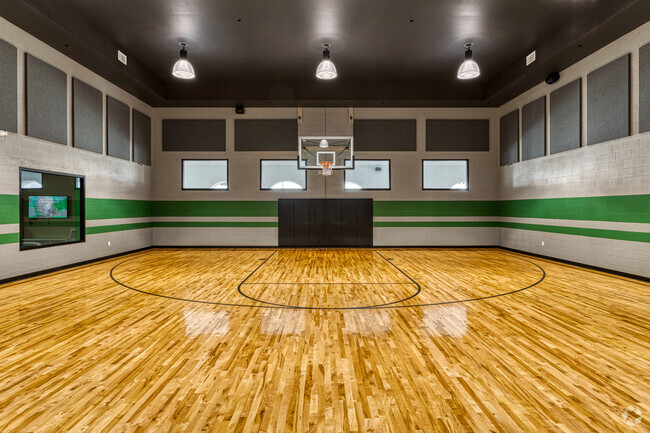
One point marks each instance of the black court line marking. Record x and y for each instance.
(280, 306)
(361, 307)
(340, 282)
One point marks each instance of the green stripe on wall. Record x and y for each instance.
(9, 238)
(435, 208)
(623, 208)
(105, 208)
(116, 228)
(215, 224)
(215, 208)
(9, 209)
(594, 233)
(436, 224)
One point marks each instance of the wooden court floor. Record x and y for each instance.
(349, 340)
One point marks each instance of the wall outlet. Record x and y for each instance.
(109, 243)
(542, 243)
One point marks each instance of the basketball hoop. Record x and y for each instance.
(327, 167)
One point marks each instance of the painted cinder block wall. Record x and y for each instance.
(405, 215)
(117, 191)
(589, 205)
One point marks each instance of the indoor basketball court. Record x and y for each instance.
(357, 217)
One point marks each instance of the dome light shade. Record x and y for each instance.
(468, 69)
(183, 68)
(324, 143)
(326, 69)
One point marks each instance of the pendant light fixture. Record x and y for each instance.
(468, 69)
(326, 69)
(183, 68)
(324, 143)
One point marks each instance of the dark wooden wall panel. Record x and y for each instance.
(467, 135)
(566, 116)
(266, 135)
(533, 129)
(509, 138)
(118, 126)
(301, 222)
(608, 101)
(87, 117)
(364, 222)
(46, 100)
(385, 135)
(141, 138)
(285, 222)
(8, 87)
(644, 88)
(194, 135)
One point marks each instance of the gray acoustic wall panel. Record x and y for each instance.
(267, 134)
(141, 138)
(608, 101)
(87, 117)
(509, 138)
(533, 129)
(194, 135)
(385, 135)
(46, 100)
(8, 87)
(118, 141)
(565, 129)
(458, 135)
(644, 88)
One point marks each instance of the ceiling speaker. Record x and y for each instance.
(552, 77)
(239, 109)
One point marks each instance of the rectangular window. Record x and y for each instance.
(208, 174)
(51, 209)
(368, 174)
(282, 174)
(445, 174)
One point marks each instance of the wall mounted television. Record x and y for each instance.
(48, 206)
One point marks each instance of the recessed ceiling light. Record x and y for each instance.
(183, 68)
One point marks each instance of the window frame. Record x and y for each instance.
(205, 189)
(21, 213)
(390, 180)
(447, 189)
(295, 161)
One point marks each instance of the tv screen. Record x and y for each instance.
(48, 206)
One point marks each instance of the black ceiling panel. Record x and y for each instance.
(387, 52)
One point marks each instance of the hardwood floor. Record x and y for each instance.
(386, 340)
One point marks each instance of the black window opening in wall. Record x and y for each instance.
(52, 209)
(325, 222)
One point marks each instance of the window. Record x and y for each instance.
(282, 174)
(51, 209)
(368, 174)
(445, 174)
(210, 174)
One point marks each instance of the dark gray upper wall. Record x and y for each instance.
(141, 138)
(608, 101)
(566, 116)
(266, 135)
(8, 87)
(87, 117)
(194, 135)
(533, 129)
(46, 100)
(458, 135)
(118, 140)
(509, 138)
(385, 135)
(644, 88)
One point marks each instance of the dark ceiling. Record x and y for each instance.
(387, 52)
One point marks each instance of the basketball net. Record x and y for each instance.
(327, 167)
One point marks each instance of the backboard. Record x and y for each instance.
(314, 150)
